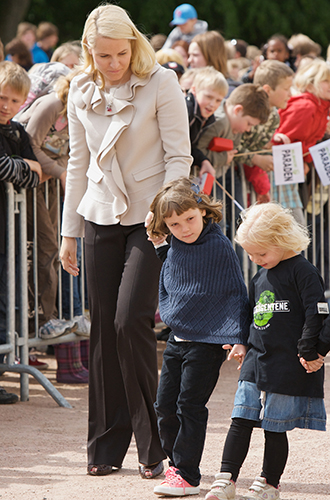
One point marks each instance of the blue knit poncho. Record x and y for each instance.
(202, 295)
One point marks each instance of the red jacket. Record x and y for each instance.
(304, 120)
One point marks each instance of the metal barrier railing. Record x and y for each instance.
(19, 341)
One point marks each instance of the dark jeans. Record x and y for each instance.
(189, 374)
(237, 446)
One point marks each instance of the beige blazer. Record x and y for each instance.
(123, 147)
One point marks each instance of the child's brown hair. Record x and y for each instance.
(179, 196)
(253, 99)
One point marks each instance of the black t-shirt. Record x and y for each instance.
(288, 307)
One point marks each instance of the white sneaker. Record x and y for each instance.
(56, 327)
(260, 490)
(83, 326)
(223, 488)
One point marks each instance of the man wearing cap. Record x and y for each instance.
(187, 25)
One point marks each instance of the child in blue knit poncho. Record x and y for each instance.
(203, 299)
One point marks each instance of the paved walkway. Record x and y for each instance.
(43, 449)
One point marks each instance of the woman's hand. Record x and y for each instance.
(237, 352)
(68, 255)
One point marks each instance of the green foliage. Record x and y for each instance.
(252, 20)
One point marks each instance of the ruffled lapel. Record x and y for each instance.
(119, 106)
(89, 96)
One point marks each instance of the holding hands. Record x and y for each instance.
(156, 241)
(312, 366)
(237, 352)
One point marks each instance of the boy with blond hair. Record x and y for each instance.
(17, 165)
(206, 94)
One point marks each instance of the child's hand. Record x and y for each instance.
(263, 161)
(282, 138)
(35, 167)
(237, 352)
(312, 366)
(206, 168)
(263, 198)
(230, 156)
(156, 240)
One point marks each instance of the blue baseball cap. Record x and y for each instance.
(183, 13)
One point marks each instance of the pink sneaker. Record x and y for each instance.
(174, 485)
(171, 471)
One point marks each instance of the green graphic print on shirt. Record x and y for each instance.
(265, 308)
(262, 314)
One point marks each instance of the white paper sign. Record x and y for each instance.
(288, 164)
(321, 158)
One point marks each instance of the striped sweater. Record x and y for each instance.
(14, 146)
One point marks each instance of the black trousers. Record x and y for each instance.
(122, 279)
(237, 445)
(190, 372)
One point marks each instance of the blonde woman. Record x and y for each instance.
(128, 135)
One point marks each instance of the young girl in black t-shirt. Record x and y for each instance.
(281, 380)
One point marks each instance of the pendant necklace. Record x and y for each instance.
(111, 99)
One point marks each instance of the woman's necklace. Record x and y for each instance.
(111, 98)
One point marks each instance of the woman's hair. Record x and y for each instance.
(179, 196)
(212, 46)
(65, 50)
(111, 21)
(62, 87)
(16, 77)
(270, 225)
(309, 76)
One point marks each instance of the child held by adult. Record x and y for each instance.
(275, 392)
(203, 299)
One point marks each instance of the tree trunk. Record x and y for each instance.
(11, 14)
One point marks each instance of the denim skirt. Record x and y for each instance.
(278, 412)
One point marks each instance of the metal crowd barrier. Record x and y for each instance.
(19, 341)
